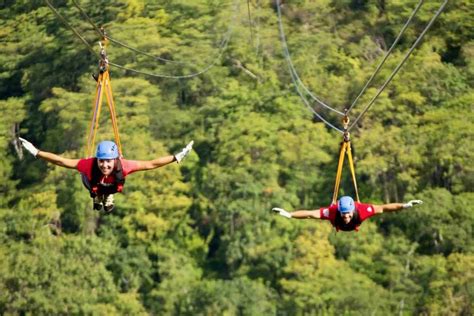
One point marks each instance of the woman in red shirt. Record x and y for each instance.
(105, 174)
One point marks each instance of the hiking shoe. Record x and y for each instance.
(108, 201)
(97, 203)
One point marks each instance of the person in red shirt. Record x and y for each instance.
(347, 215)
(105, 174)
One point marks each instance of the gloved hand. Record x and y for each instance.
(412, 203)
(184, 152)
(281, 212)
(29, 146)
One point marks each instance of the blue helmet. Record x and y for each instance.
(345, 205)
(107, 150)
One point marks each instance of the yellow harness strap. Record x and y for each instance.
(103, 84)
(345, 149)
(339, 171)
(96, 107)
(113, 114)
(351, 166)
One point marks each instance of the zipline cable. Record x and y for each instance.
(222, 48)
(71, 28)
(379, 66)
(395, 71)
(300, 93)
(101, 34)
(175, 77)
(136, 50)
(292, 68)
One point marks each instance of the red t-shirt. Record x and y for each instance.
(364, 211)
(85, 167)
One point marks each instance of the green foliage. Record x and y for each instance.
(13, 112)
(444, 224)
(199, 238)
(449, 283)
(239, 296)
(314, 270)
(46, 277)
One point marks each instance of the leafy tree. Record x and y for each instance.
(199, 237)
(46, 277)
(238, 296)
(316, 282)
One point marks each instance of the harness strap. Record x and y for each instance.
(103, 84)
(94, 125)
(113, 115)
(351, 166)
(339, 171)
(345, 149)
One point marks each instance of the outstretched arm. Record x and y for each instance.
(300, 214)
(155, 163)
(58, 160)
(395, 207)
(50, 157)
(163, 161)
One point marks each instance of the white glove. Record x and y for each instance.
(281, 212)
(412, 203)
(184, 152)
(29, 146)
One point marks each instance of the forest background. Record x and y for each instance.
(199, 238)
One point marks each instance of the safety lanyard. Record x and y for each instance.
(345, 149)
(103, 85)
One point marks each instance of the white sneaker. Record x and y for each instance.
(184, 152)
(108, 201)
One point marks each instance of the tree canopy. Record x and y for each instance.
(199, 238)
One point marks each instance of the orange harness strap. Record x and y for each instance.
(345, 149)
(103, 85)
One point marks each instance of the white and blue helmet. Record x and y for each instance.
(107, 150)
(345, 205)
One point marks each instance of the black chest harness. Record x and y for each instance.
(94, 185)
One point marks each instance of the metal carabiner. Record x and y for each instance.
(345, 123)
